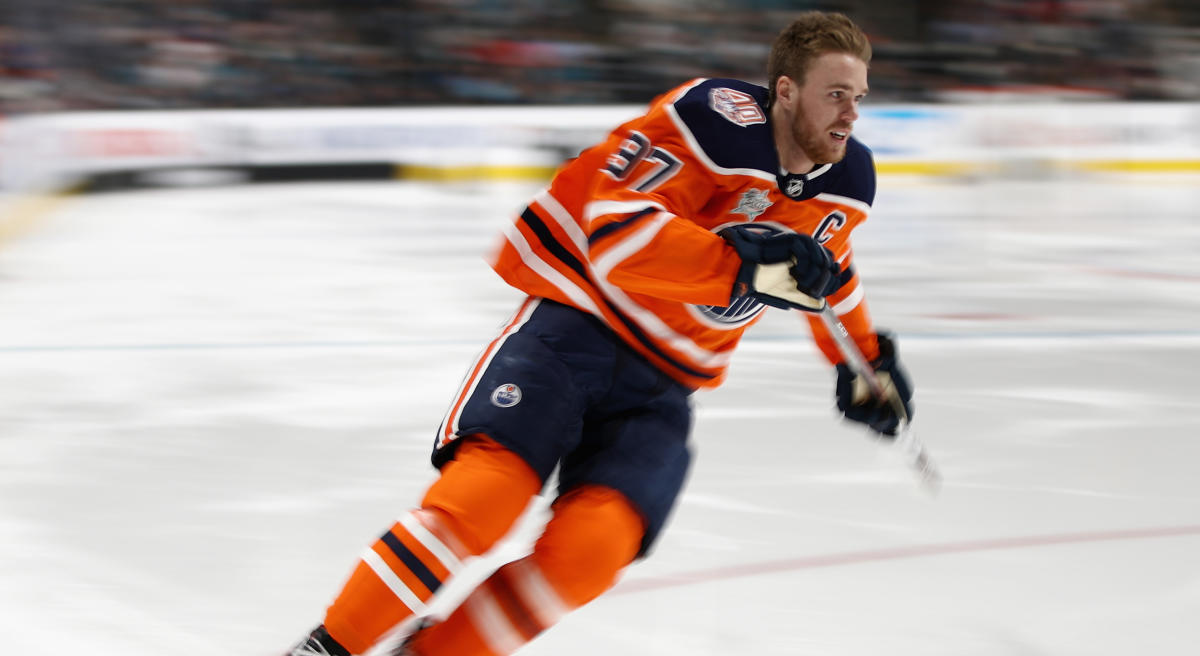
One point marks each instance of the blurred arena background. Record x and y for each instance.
(957, 87)
(61, 55)
(211, 391)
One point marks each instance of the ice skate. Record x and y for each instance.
(318, 643)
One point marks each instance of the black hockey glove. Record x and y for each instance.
(854, 396)
(782, 269)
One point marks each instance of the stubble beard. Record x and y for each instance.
(813, 141)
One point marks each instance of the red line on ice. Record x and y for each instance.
(896, 553)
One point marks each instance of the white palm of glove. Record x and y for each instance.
(860, 392)
(776, 280)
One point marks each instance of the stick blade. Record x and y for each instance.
(919, 461)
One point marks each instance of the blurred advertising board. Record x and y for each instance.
(48, 151)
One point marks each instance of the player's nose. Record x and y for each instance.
(850, 111)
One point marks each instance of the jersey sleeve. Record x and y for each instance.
(639, 217)
(850, 304)
(852, 194)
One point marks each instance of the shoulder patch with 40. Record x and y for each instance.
(737, 107)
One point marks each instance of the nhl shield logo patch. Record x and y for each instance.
(506, 396)
(795, 187)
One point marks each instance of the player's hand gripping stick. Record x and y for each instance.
(782, 269)
(915, 453)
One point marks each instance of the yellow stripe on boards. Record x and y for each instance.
(21, 213)
(514, 172)
(1142, 166)
(925, 168)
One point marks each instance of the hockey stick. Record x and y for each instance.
(915, 453)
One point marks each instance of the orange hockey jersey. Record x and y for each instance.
(627, 231)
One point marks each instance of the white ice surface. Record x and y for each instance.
(212, 399)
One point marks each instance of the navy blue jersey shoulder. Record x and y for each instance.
(734, 131)
(727, 127)
(854, 176)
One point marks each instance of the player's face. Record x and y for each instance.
(826, 106)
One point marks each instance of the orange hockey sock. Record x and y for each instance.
(482, 492)
(472, 505)
(594, 533)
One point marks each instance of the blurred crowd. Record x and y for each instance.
(66, 55)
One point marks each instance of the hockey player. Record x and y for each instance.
(644, 261)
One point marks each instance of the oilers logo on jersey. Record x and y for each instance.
(506, 396)
(742, 309)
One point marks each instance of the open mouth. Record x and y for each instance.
(839, 135)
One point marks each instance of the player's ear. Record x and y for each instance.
(785, 88)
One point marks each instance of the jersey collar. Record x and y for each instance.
(796, 185)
